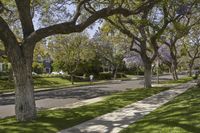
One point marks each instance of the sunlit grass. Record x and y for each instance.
(54, 120)
(181, 115)
(49, 82)
(180, 80)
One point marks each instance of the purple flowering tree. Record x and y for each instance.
(133, 60)
(165, 56)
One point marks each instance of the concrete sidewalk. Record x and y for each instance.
(122, 118)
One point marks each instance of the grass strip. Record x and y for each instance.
(180, 115)
(179, 81)
(45, 83)
(50, 121)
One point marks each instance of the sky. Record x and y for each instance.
(70, 9)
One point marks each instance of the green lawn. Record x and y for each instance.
(53, 82)
(180, 80)
(54, 120)
(49, 82)
(181, 115)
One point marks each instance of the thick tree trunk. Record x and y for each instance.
(147, 76)
(24, 95)
(21, 61)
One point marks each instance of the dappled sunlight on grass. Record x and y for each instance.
(45, 83)
(50, 82)
(181, 115)
(54, 120)
(180, 80)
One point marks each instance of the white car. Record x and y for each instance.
(61, 72)
(55, 73)
(34, 73)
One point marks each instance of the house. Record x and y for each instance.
(47, 65)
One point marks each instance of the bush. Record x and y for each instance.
(105, 76)
(46, 76)
(121, 75)
(4, 73)
(196, 76)
(140, 73)
(134, 71)
(198, 83)
(38, 67)
(76, 78)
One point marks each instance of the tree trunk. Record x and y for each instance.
(190, 72)
(21, 60)
(115, 72)
(72, 79)
(24, 95)
(147, 75)
(190, 68)
(173, 70)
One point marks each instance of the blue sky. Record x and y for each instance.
(70, 9)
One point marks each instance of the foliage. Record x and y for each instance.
(38, 67)
(105, 75)
(69, 52)
(111, 48)
(19, 47)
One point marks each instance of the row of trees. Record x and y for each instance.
(77, 54)
(166, 23)
(24, 23)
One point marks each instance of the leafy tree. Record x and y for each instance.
(111, 48)
(69, 51)
(177, 30)
(38, 57)
(192, 47)
(145, 30)
(19, 47)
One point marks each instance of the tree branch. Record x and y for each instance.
(25, 16)
(70, 27)
(124, 30)
(78, 10)
(6, 35)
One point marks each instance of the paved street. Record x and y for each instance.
(62, 97)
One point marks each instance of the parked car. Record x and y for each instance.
(55, 73)
(58, 73)
(34, 73)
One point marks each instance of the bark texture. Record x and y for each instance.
(147, 76)
(21, 61)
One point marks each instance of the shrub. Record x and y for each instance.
(4, 73)
(121, 75)
(195, 76)
(105, 76)
(198, 83)
(76, 78)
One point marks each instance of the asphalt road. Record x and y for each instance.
(62, 97)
